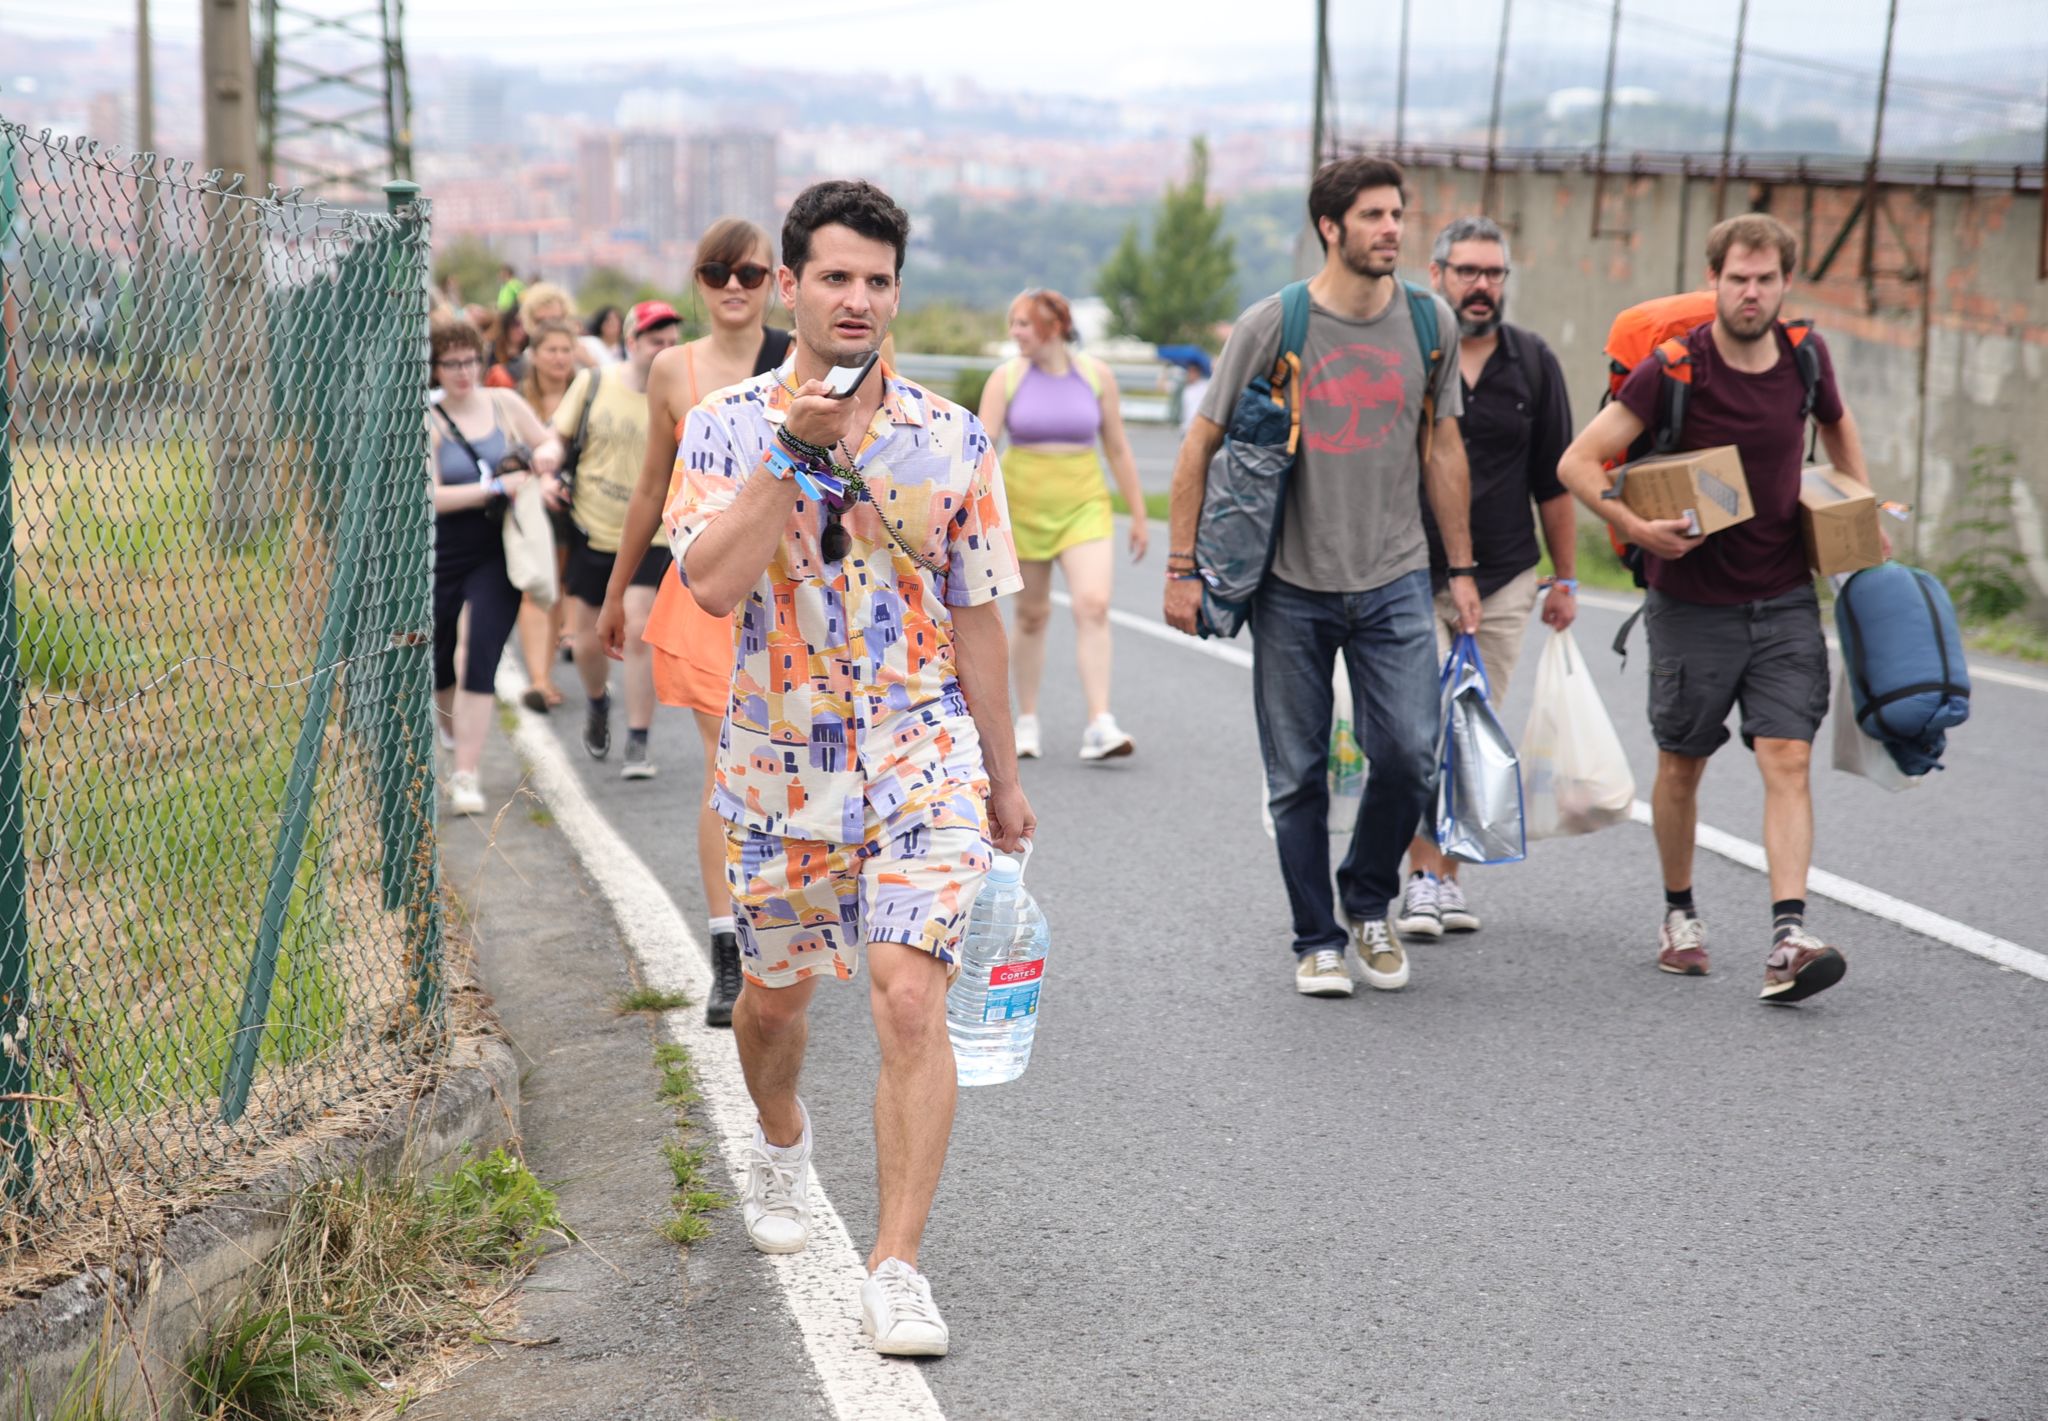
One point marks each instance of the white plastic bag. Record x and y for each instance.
(530, 545)
(1575, 775)
(1860, 754)
(1344, 766)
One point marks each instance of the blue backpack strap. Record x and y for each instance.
(1293, 319)
(1428, 335)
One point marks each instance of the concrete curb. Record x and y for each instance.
(168, 1296)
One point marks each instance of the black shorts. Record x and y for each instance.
(1768, 656)
(589, 571)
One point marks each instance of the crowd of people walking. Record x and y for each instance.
(778, 532)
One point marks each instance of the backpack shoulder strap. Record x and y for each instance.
(1429, 336)
(1807, 358)
(1293, 319)
(1674, 390)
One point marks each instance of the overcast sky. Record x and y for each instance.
(1103, 47)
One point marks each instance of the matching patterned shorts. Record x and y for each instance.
(804, 905)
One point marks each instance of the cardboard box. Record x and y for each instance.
(1704, 485)
(1838, 520)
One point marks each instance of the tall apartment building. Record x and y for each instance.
(647, 187)
(731, 174)
(596, 208)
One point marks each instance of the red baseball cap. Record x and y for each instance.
(652, 315)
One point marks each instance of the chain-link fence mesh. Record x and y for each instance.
(218, 910)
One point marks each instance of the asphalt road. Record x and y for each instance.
(1546, 1180)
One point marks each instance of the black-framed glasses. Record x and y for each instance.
(716, 274)
(461, 362)
(1491, 275)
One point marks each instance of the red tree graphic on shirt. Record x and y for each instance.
(1364, 381)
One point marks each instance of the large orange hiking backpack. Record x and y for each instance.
(1658, 327)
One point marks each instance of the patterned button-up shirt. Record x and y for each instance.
(844, 702)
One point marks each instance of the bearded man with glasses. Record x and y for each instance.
(1517, 422)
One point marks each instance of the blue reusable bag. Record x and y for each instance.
(1479, 777)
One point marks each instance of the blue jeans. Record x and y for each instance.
(1388, 642)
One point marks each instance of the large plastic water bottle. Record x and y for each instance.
(992, 1008)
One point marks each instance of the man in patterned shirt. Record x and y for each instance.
(866, 762)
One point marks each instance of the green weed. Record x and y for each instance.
(650, 999)
(368, 1276)
(1983, 576)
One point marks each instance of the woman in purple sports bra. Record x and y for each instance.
(1053, 405)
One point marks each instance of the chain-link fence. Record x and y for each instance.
(218, 888)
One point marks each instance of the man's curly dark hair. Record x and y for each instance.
(860, 206)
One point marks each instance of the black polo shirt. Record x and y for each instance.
(1517, 422)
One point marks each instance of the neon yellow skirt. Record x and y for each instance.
(1056, 501)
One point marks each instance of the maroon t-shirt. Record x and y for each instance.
(1759, 415)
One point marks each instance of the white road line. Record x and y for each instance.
(822, 1284)
(1614, 602)
(1911, 916)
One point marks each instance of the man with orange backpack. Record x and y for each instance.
(1733, 618)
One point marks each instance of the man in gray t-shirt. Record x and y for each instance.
(1350, 575)
(1354, 522)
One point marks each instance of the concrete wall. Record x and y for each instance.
(1927, 380)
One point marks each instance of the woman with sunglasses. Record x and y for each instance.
(693, 651)
(469, 431)
(1055, 404)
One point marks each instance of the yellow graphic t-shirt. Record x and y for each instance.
(614, 447)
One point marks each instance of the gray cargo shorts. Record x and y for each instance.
(1769, 656)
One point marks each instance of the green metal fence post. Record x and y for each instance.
(348, 552)
(17, 1142)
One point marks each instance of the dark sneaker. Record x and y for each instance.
(1457, 915)
(1419, 914)
(1682, 944)
(638, 766)
(597, 728)
(725, 979)
(535, 700)
(1800, 965)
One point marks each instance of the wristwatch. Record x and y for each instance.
(1471, 572)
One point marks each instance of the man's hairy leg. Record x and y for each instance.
(915, 1095)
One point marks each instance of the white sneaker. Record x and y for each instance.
(775, 1205)
(896, 1309)
(1104, 739)
(1027, 737)
(1450, 907)
(1420, 914)
(1382, 961)
(1322, 974)
(464, 794)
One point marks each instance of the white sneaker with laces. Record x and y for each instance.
(775, 1205)
(1027, 737)
(1105, 740)
(1451, 908)
(1420, 914)
(1382, 961)
(1322, 974)
(896, 1309)
(465, 796)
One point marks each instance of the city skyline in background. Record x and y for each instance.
(1065, 117)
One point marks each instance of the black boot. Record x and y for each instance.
(725, 979)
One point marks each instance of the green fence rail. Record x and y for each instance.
(219, 908)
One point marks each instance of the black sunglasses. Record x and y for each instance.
(716, 274)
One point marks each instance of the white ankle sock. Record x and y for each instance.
(721, 925)
(788, 1154)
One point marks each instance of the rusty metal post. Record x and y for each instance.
(1884, 84)
(1500, 71)
(1316, 132)
(1728, 126)
(1606, 119)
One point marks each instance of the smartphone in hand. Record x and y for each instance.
(842, 380)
